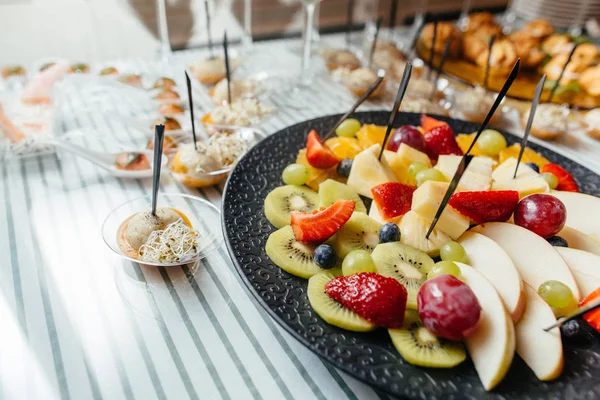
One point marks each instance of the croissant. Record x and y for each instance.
(445, 31)
(590, 80)
(540, 28)
(528, 48)
(479, 19)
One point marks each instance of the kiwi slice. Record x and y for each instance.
(331, 191)
(285, 199)
(406, 264)
(330, 310)
(290, 255)
(418, 346)
(361, 232)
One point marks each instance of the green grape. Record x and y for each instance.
(444, 268)
(415, 168)
(557, 294)
(491, 142)
(358, 261)
(295, 174)
(430, 174)
(348, 127)
(453, 251)
(551, 179)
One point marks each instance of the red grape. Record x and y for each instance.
(406, 134)
(448, 307)
(543, 214)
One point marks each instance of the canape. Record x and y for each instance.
(108, 71)
(167, 95)
(242, 88)
(171, 124)
(209, 71)
(359, 80)
(473, 104)
(132, 162)
(340, 58)
(241, 112)
(164, 83)
(170, 109)
(15, 70)
(550, 121)
(131, 80)
(210, 162)
(80, 68)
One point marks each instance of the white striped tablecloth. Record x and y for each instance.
(78, 323)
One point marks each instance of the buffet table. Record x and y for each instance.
(80, 323)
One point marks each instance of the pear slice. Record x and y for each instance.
(367, 171)
(579, 240)
(542, 351)
(487, 257)
(492, 345)
(579, 209)
(585, 268)
(535, 259)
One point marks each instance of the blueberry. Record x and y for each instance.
(570, 329)
(389, 233)
(343, 168)
(325, 256)
(534, 167)
(558, 241)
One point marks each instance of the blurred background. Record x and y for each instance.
(97, 30)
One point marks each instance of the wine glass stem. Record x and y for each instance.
(464, 14)
(163, 30)
(309, 14)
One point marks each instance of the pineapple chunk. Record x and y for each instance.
(505, 171)
(401, 160)
(367, 172)
(447, 164)
(478, 175)
(426, 201)
(375, 214)
(525, 185)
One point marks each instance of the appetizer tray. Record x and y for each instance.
(370, 357)
(523, 88)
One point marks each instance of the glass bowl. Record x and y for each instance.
(250, 136)
(204, 217)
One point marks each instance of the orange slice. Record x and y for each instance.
(343, 147)
(369, 134)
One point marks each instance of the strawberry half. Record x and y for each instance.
(592, 317)
(566, 182)
(393, 199)
(317, 154)
(377, 298)
(429, 123)
(320, 225)
(480, 207)
(440, 140)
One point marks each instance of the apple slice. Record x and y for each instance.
(579, 240)
(492, 345)
(542, 351)
(579, 212)
(585, 268)
(535, 259)
(487, 257)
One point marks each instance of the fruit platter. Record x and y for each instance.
(332, 240)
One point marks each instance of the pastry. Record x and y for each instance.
(445, 31)
(503, 58)
(572, 71)
(590, 80)
(539, 28)
(527, 48)
(592, 120)
(479, 19)
(335, 59)
(556, 44)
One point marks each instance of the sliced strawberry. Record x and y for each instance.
(377, 298)
(592, 317)
(317, 154)
(429, 123)
(440, 140)
(566, 182)
(480, 207)
(320, 225)
(393, 199)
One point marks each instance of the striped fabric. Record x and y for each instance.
(78, 323)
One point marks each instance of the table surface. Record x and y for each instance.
(79, 323)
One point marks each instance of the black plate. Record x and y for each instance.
(371, 357)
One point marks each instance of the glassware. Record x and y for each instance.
(203, 217)
(307, 41)
(164, 50)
